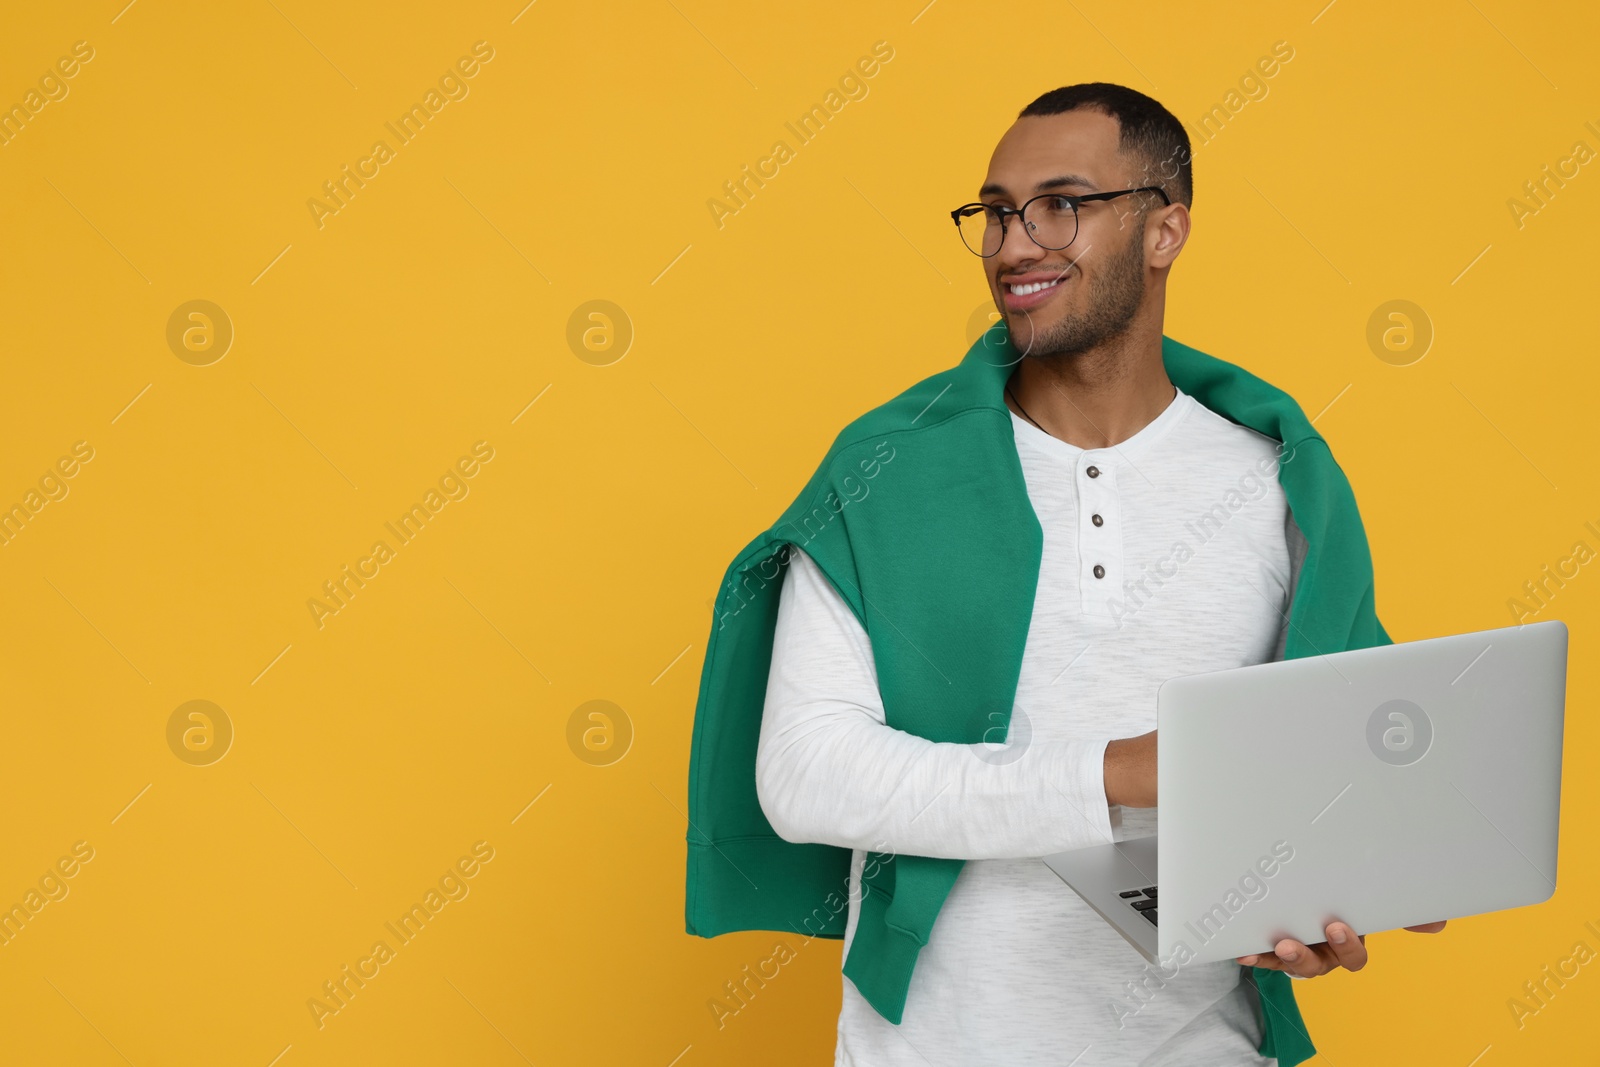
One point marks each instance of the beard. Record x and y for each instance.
(1111, 303)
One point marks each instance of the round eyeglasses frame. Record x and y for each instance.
(1074, 200)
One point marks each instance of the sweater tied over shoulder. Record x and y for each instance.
(919, 516)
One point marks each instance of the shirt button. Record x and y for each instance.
(1099, 571)
(1097, 520)
(1093, 472)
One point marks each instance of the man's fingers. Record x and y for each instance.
(1290, 956)
(1265, 960)
(1300, 959)
(1428, 928)
(1352, 954)
(1311, 961)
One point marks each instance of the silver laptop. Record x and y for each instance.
(1382, 787)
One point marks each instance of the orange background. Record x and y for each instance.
(446, 702)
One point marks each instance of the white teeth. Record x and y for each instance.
(1024, 290)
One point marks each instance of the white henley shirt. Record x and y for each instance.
(1171, 553)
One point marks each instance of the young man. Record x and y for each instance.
(1166, 545)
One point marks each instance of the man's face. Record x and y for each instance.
(1099, 279)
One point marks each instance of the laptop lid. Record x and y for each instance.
(1384, 787)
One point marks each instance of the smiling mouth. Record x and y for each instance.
(1033, 287)
(1019, 298)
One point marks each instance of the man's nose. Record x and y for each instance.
(1016, 246)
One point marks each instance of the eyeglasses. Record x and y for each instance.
(1051, 219)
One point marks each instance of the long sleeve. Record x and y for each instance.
(830, 770)
(1296, 542)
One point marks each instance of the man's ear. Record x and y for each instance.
(1171, 234)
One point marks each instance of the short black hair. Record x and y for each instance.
(1149, 131)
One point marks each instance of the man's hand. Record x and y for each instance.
(1344, 948)
(1130, 771)
(1130, 780)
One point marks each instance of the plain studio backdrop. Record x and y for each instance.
(372, 500)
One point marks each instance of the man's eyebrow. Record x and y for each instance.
(1050, 183)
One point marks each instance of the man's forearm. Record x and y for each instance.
(1130, 771)
(838, 779)
(830, 770)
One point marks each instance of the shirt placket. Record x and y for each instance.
(1100, 569)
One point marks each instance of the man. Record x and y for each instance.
(1163, 552)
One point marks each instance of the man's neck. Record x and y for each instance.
(1098, 398)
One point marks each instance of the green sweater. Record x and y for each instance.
(920, 518)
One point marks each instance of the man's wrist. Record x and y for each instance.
(1113, 770)
(1130, 771)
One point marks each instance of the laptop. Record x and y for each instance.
(1382, 787)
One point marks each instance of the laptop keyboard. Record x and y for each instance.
(1142, 901)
